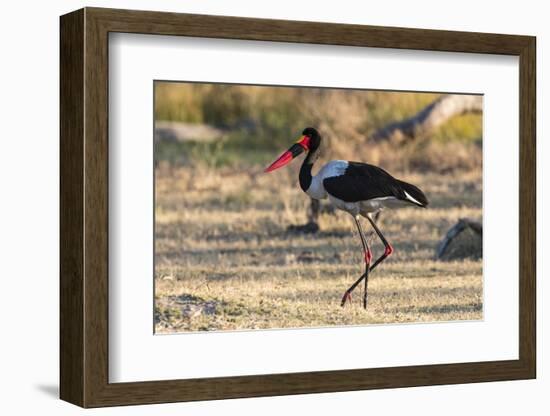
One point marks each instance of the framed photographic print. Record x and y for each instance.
(255, 207)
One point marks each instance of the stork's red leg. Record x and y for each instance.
(368, 258)
(388, 249)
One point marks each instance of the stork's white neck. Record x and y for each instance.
(316, 189)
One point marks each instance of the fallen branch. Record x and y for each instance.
(429, 118)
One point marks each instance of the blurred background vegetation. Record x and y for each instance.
(253, 123)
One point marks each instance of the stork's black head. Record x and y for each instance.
(309, 141)
(314, 138)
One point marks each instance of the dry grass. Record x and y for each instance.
(224, 260)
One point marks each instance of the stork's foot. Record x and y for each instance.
(346, 298)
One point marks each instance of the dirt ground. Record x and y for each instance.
(225, 260)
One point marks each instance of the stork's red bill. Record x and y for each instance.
(295, 150)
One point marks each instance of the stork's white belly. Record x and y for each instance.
(367, 207)
(353, 208)
(377, 204)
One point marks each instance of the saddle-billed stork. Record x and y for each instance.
(357, 188)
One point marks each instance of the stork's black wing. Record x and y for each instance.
(361, 182)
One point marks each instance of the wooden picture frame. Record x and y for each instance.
(84, 207)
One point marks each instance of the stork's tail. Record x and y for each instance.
(413, 194)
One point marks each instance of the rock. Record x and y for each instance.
(172, 131)
(463, 240)
(190, 306)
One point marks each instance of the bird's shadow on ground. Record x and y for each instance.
(318, 234)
